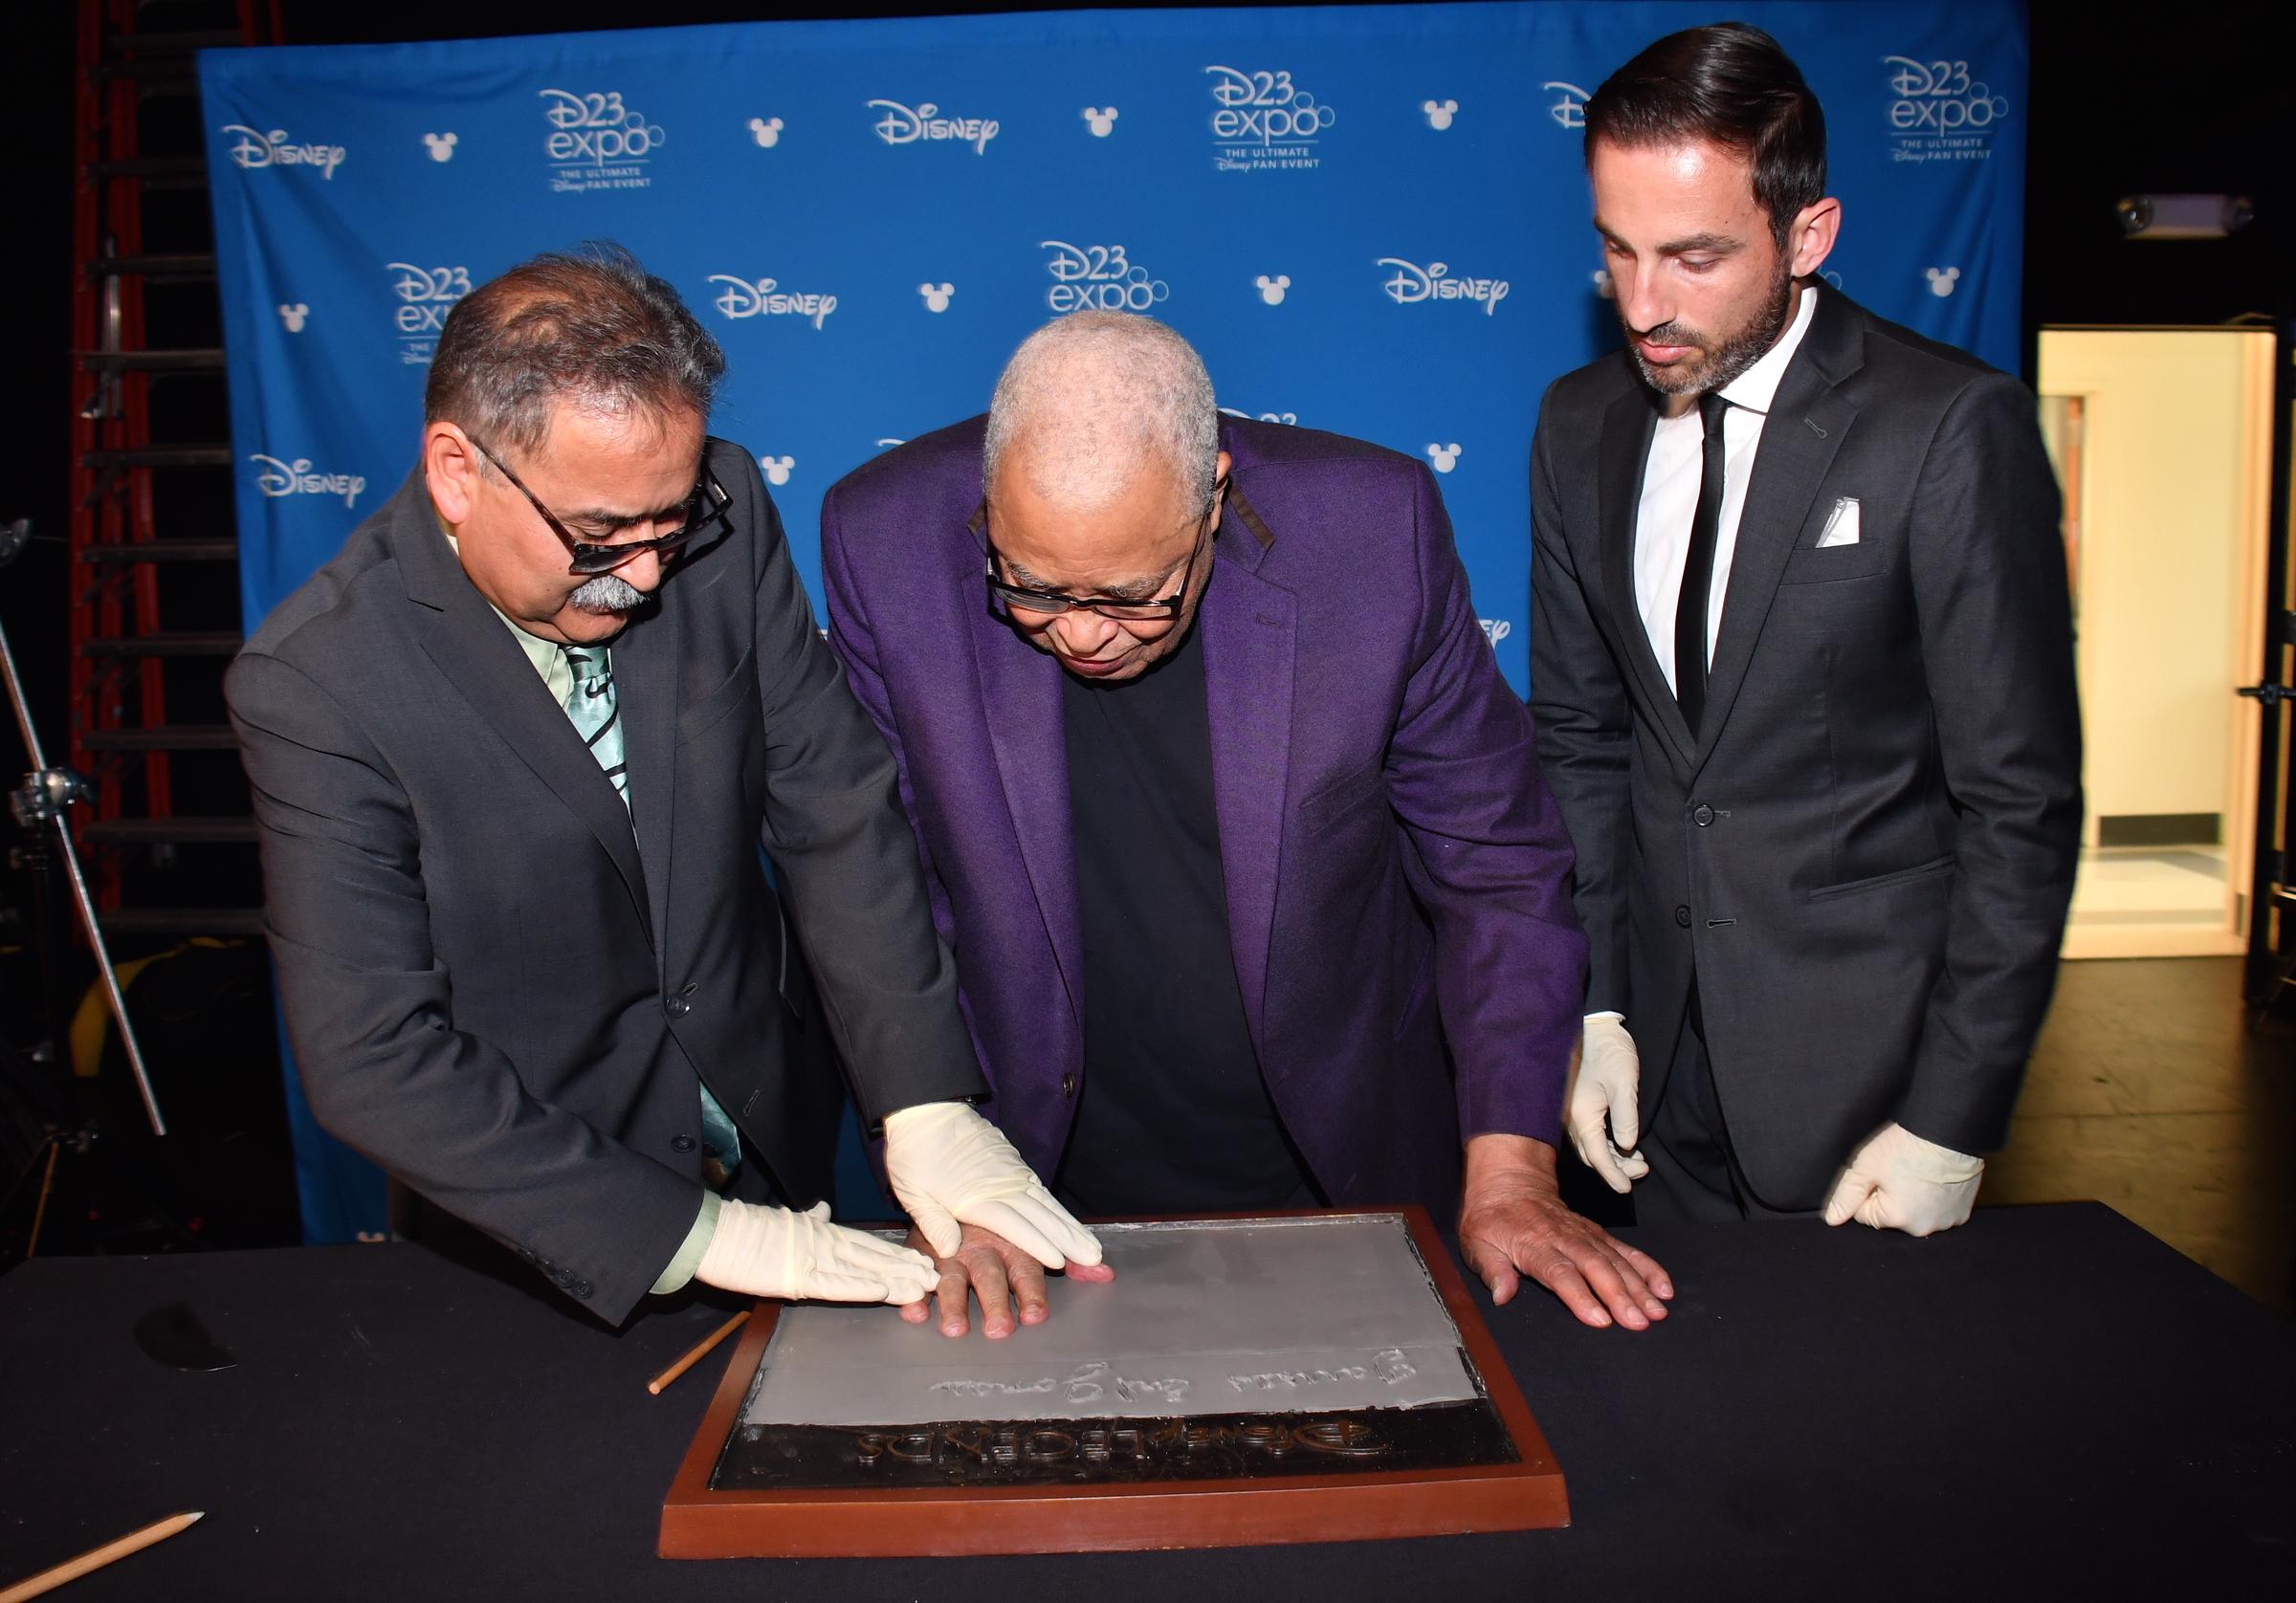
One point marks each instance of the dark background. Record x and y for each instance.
(2197, 105)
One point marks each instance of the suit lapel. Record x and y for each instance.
(1805, 426)
(473, 648)
(1626, 446)
(1249, 625)
(1020, 690)
(646, 688)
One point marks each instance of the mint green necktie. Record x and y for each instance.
(597, 716)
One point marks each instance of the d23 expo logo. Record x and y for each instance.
(1099, 279)
(739, 299)
(252, 148)
(597, 142)
(1265, 123)
(424, 295)
(1408, 284)
(1939, 113)
(924, 124)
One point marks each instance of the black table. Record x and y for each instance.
(2048, 1403)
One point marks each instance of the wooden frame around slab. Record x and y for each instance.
(698, 1522)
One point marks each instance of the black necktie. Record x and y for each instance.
(1698, 569)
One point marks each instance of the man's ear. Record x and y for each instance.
(1812, 238)
(1220, 470)
(451, 468)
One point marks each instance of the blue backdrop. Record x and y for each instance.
(1370, 220)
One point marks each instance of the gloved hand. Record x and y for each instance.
(1605, 1079)
(1896, 1180)
(774, 1252)
(951, 1167)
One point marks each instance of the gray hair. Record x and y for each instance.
(1095, 394)
(589, 326)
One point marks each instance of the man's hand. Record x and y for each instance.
(951, 1167)
(1606, 1080)
(1513, 1223)
(1896, 1180)
(773, 1252)
(1000, 1273)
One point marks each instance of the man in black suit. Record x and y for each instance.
(1801, 663)
(515, 752)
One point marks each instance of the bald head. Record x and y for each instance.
(1092, 400)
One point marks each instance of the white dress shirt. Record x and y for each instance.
(1662, 528)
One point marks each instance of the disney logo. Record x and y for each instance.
(277, 479)
(906, 125)
(765, 297)
(591, 130)
(257, 149)
(1265, 106)
(1411, 284)
(1098, 277)
(1569, 109)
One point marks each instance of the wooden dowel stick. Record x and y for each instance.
(71, 1570)
(684, 1364)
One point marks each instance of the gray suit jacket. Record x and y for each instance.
(1869, 852)
(491, 990)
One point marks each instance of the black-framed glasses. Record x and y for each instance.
(699, 512)
(1163, 610)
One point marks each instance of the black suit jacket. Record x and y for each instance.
(494, 989)
(1868, 853)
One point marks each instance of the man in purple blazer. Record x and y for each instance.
(1226, 814)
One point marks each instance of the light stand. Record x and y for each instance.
(39, 805)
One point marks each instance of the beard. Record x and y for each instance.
(1721, 362)
(609, 594)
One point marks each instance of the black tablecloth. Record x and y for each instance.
(2048, 1403)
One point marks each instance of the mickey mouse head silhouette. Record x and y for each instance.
(1444, 457)
(766, 131)
(777, 468)
(1102, 123)
(293, 317)
(1602, 284)
(440, 146)
(1440, 113)
(1942, 280)
(937, 296)
(1271, 290)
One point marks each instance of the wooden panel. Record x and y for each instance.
(701, 1522)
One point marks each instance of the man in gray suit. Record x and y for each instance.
(515, 752)
(1803, 673)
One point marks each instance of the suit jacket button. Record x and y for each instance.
(1704, 815)
(1068, 1085)
(681, 1143)
(677, 1007)
(1682, 916)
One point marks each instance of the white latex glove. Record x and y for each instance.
(1896, 1180)
(1606, 1076)
(772, 1252)
(951, 1167)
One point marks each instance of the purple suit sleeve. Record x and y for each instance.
(1489, 860)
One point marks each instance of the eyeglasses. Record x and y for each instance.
(1167, 610)
(697, 513)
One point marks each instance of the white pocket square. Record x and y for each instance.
(1841, 524)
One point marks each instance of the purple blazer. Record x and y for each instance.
(1397, 875)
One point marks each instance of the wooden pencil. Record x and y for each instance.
(684, 1364)
(71, 1570)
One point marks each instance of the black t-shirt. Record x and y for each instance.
(1173, 1114)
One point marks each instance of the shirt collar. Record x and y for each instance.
(1756, 388)
(545, 654)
